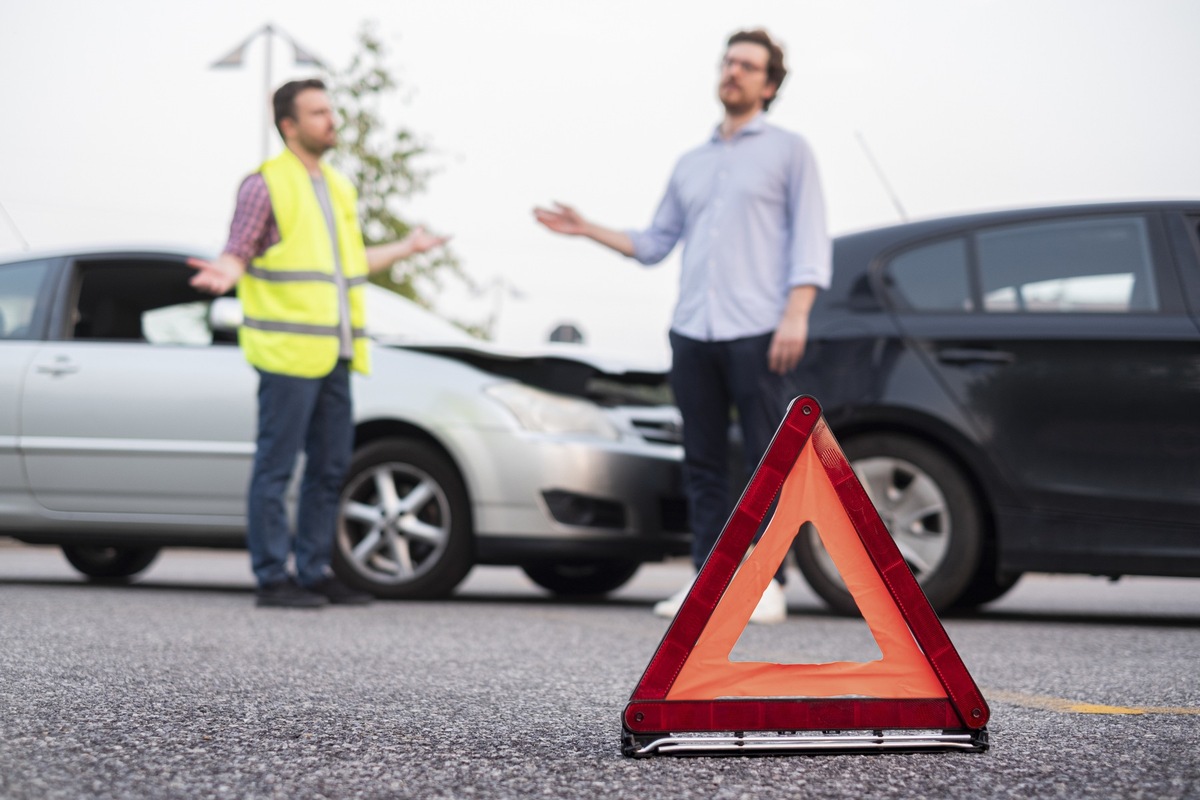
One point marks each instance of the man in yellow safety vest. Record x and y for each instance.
(296, 254)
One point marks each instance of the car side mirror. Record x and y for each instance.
(225, 315)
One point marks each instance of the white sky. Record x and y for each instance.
(115, 130)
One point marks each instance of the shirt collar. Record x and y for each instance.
(756, 125)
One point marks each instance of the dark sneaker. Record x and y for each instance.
(340, 594)
(287, 594)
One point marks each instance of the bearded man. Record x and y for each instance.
(748, 206)
(297, 257)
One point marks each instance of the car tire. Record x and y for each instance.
(943, 545)
(404, 528)
(985, 587)
(582, 577)
(103, 563)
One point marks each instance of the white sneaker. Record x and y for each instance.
(670, 606)
(772, 608)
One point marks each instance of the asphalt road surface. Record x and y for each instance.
(177, 687)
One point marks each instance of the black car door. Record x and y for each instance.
(1070, 348)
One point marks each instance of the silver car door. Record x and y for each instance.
(14, 359)
(159, 424)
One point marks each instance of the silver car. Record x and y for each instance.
(127, 425)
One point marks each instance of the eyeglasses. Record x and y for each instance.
(749, 67)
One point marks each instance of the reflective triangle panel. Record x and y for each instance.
(692, 685)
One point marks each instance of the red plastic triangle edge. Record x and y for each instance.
(649, 712)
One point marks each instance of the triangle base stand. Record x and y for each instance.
(825, 742)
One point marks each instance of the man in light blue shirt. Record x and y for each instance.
(748, 207)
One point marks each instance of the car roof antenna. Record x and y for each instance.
(887, 187)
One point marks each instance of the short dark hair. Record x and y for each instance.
(776, 71)
(285, 99)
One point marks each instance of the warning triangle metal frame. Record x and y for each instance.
(653, 724)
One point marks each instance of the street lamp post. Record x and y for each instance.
(235, 58)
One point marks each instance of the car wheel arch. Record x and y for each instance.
(419, 544)
(958, 449)
(372, 431)
(930, 508)
(964, 456)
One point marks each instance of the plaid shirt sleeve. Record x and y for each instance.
(253, 229)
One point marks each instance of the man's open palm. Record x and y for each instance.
(560, 219)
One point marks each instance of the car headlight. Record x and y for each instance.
(544, 412)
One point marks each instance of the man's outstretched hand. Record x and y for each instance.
(561, 219)
(217, 276)
(420, 240)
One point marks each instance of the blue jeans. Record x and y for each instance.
(312, 415)
(708, 379)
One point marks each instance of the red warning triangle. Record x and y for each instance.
(692, 686)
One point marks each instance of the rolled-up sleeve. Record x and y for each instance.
(655, 243)
(811, 252)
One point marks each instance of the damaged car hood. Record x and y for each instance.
(572, 369)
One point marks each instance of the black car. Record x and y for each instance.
(1018, 391)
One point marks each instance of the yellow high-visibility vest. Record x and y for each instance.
(288, 294)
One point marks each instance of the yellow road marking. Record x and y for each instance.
(1066, 706)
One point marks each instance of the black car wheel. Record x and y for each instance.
(928, 507)
(405, 528)
(986, 586)
(109, 563)
(583, 577)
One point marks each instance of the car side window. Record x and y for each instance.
(142, 301)
(1093, 265)
(931, 277)
(20, 285)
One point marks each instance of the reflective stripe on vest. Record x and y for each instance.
(295, 327)
(289, 294)
(285, 276)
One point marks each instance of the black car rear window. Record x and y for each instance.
(932, 277)
(1087, 264)
(1069, 265)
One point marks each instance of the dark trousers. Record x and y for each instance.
(708, 380)
(312, 415)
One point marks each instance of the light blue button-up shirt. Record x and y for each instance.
(752, 219)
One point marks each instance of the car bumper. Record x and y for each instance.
(583, 496)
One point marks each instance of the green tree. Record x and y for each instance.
(388, 166)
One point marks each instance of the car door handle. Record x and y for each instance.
(969, 355)
(59, 367)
